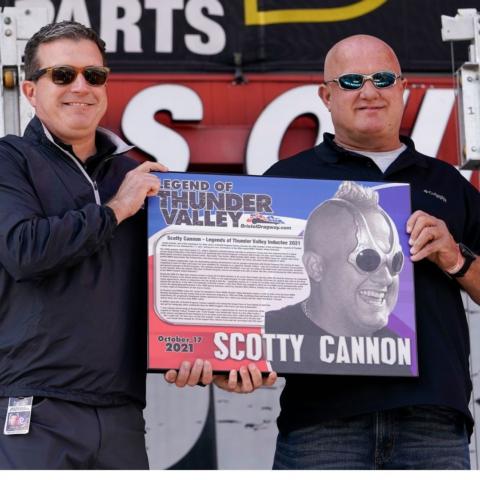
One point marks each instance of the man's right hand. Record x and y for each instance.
(138, 184)
(200, 372)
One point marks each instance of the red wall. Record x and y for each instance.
(218, 142)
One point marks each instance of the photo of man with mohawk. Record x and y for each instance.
(353, 258)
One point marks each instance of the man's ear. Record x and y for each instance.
(29, 89)
(324, 94)
(314, 265)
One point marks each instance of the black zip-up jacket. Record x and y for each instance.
(442, 330)
(72, 282)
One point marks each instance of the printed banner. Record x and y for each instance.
(298, 276)
(257, 35)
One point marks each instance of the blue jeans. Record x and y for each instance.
(421, 437)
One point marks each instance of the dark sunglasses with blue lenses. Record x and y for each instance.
(66, 74)
(354, 81)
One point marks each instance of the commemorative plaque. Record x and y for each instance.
(296, 275)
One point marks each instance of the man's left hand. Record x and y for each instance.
(245, 380)
(430, 238)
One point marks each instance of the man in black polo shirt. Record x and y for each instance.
(344, 422)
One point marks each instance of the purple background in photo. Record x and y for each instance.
(395, 200)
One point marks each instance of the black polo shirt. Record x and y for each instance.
(442, 331)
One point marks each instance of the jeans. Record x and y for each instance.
(420, 437)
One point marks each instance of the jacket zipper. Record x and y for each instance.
(96, 193)
(96, 172)
(85, 174)
(77, 163)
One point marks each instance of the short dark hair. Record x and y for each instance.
(58, 31)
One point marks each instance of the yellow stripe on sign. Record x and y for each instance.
(253, 16)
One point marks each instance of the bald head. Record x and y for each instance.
(328, 223)
(348, 51)
(367, 118)
(335, 225)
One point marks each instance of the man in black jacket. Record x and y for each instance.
(72, 269)
(348, 422)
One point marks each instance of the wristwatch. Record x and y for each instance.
(469, 257)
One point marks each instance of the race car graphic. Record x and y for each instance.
(260, 218)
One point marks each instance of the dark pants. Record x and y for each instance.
(66, 435)
(423, 437)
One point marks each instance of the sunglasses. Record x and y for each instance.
(355, 81)
(66, 74)
(369, 260)
(368, 257)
